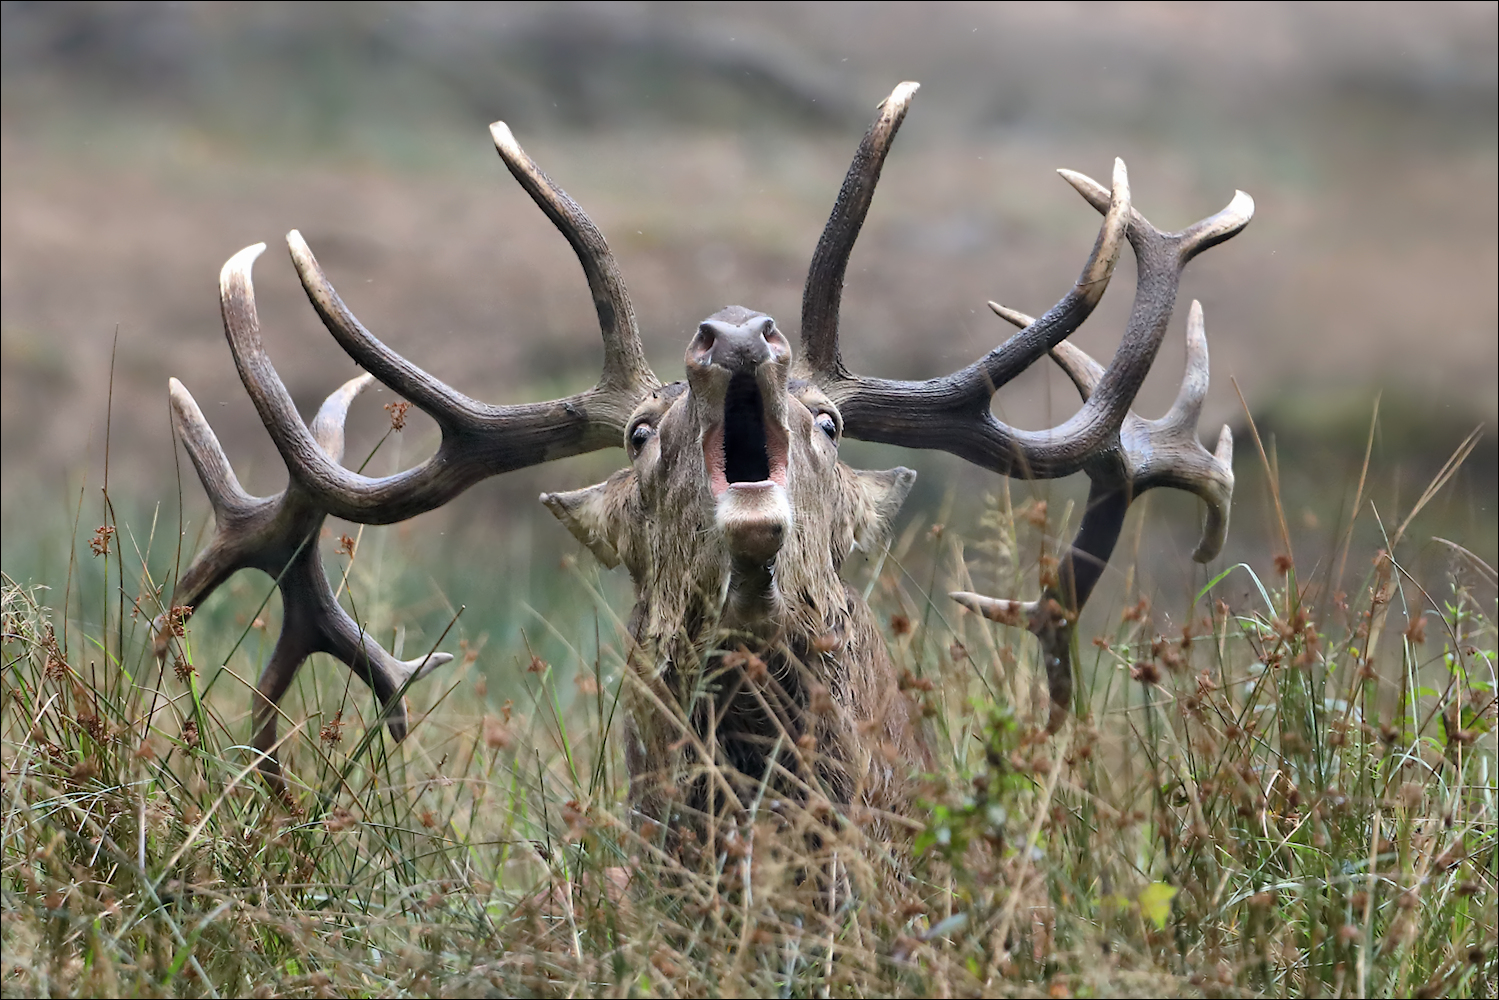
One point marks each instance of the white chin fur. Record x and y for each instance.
(755, 519)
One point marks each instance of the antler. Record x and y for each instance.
(1147, 454)
(278, 535)
(1121, 453)
(478, 440)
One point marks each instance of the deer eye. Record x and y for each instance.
(639, 435)
(827, 425)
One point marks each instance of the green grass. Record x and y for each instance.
(1290, 796)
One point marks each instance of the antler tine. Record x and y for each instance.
(1084, 372)
(625, 366)
(1052, 626)
(278, 535)
(1221, 225)
(328, 425)
(1216, 228)
(1052, 618)
(1082, 369)
(1166, 451)
(948, 414)
(235, 514)
(1147, 454)
(1174, 455)
(1187, 406)
(1005, 362)
(214, 470)
(478, 440)
(314, 622)
(454, 412)
(823, 293)
(972, 387)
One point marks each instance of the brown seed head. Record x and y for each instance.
(1145, 673)
(1035, 513)
(909, 681)
(340, 819)
(333, 731)
(497, 735)
(100, 542)
(397, 411)
(1048, 570)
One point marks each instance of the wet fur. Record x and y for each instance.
(723, 689)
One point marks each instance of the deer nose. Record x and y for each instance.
(737, 347)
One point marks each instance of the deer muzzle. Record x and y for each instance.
(738, 371)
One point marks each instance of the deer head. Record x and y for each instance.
(735, 497)
(734, 515)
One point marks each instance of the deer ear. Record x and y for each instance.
(593, 515)
(879, 496)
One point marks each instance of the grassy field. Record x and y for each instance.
(1291, 794)
(1280, 776)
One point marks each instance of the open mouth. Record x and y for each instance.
(745, 449)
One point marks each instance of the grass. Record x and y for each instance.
(1292, 796)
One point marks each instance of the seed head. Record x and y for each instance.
(100, 542)
(397, 411)
(333, 731)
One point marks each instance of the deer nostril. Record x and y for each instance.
(700, 349)
(738, 348)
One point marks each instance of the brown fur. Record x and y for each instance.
(743, 676)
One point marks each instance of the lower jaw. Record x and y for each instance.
(756, 520)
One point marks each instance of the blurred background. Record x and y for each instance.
(143, 144)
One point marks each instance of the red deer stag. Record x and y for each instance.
(751, 660)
